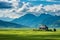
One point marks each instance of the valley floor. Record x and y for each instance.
(10, 34)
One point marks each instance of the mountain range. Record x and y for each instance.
(4, 24)
(30, 20)
(34, 21)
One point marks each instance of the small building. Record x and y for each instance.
(43, 27)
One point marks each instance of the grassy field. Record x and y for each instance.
(13, 34)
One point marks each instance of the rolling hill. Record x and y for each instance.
(4, 24)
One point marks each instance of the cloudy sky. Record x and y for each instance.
(12, 9)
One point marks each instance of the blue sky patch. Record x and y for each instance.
(4, 5)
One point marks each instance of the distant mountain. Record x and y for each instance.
(41, 19)
(25, 20)
(51, 20)
(6, 19)
(45, 19)
(33, 21)
(4, 24)
(56, 23)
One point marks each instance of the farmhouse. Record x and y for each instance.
(43, 27)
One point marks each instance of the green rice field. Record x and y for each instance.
(23, 34)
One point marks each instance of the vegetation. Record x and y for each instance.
(23, 34)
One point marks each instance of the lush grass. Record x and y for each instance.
(13, 34)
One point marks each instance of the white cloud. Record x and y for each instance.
(14, 12)
(35, 8)
(23, 7)
(52, 9)
(46, 0)
(8, 13)
(15, 3)
(17, 12)
(49, 0)
(11, 13)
